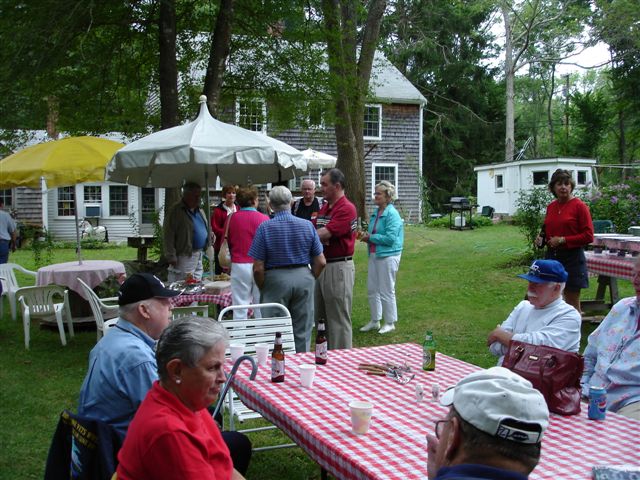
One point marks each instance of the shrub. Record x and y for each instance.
(476, 221)
(619, 203)
(531, 207)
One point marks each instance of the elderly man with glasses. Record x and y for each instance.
(544, 318)
(493, 430)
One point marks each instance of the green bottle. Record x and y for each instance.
(429, 352)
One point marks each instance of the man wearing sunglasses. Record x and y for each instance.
(493, 430)
(544, 318)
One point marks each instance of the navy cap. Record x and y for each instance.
(143, 286)
(544, 271)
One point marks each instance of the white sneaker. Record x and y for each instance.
(387, 327)
(370, 326)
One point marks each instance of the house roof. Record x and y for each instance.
(389, 85)
(538, 161)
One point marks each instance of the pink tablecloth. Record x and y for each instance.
(92, 272)
(317, 419)
(610, 265)
(222, 299)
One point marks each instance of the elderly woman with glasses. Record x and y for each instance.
(172, 434)
(385, 238)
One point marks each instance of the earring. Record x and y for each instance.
(178, 381)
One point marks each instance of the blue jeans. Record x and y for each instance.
(4, 251)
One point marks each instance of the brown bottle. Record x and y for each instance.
(277, 360)
(321, 345)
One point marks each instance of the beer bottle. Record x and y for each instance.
(277, 360)
(321, 345)
(429, 352)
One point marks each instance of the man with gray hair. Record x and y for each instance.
(545, 318)
(308, 205)
(186, 235)
(288, 258)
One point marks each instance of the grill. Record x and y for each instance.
(461, 206)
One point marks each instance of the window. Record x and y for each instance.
(93, 194)
(148, 205)
(252, 114)
(499, 182)
(118, 200)
(541, 178)
(384, 171)
(6, 197)
(66, 198)
(372, 122)
(582, 177)
(316, 115)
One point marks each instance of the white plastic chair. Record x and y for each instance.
(202, 310)
(10, 285)
(108, 325)
(38, 302)
(250, 332)
(99, 308)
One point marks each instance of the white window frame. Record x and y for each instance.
(73, 204)
(373, 176)
(586, 177)
(379, 107)
(263, 104)
(11, 203)
(495, 178)
(533, 182)
(106, 212)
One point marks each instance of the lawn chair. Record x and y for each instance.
(10, 285)
(38, 302)
(250, 332)
(99, 308)
(487, 211)
(602, 226)
(202, 310)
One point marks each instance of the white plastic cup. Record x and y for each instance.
(307, 372)
(262, 352)
(237, 350)
(361, 413)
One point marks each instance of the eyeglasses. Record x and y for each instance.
(440, 426)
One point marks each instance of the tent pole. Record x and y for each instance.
(209, 250)
(75, 214)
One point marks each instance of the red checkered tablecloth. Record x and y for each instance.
(318, 420)
(222, 299)
(610, 265)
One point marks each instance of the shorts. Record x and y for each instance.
(575, 263)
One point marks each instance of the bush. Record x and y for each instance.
(476, 222)
(619, 203)
(531, 207)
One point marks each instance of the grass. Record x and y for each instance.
(457, 284)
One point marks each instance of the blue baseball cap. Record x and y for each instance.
(544, 271)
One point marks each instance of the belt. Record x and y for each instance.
(288, 267)
(339, 259)
(3, 240)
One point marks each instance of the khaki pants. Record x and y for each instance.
(632, 410)
(333, 298)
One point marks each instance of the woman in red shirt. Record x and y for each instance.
(219, 219)
(568, 229)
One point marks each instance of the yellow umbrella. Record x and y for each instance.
(64, 162)
(60, 163)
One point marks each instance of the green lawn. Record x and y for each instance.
(457, 284)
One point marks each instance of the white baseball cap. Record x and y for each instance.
(500, 403)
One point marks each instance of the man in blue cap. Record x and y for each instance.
(545, 318)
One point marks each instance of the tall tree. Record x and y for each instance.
(352, 38)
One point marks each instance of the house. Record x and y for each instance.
(499, 184)
(393, 143)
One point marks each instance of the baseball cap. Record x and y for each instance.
(500, 403)
(544, 271)
(142, 286)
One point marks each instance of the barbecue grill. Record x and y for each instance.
(460, 206)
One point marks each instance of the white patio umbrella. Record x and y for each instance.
(200, 151)
(318, 160)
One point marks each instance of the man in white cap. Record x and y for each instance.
(493, 430)
(544, 318)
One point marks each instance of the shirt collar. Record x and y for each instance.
(132, 329)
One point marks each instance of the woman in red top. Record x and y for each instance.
(172, 434)
(568, 229)
(219, 218)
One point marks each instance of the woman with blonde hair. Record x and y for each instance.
(385, 238)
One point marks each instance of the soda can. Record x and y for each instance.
(597, 403)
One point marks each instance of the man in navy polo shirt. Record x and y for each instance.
(287, 259)
(336, 225)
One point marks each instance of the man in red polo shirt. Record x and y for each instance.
(336, 226)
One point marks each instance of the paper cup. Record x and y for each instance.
(307, 372)
(361, 413)
(237, 350)
(262, 353)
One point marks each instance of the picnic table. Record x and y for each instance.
(223, 299)
(317, 419)
(609, 267)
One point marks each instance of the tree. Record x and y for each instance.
(352, 39)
